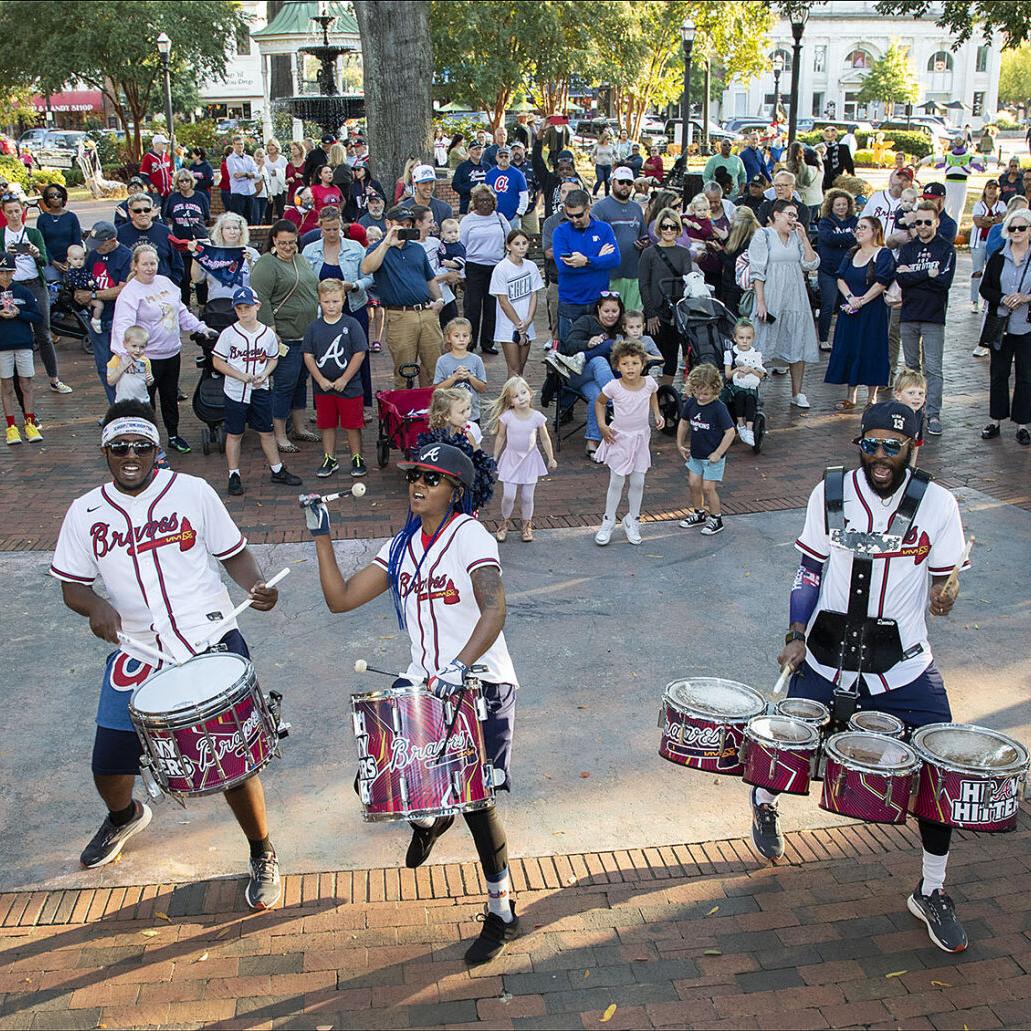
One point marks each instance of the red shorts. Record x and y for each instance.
(332, 410)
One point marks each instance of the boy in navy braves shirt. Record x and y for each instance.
(246, 353)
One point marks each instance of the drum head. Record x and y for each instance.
(872, 751)
(715, 697)
(784, 731)
(804, 709)
(190, 684)
(970, 748)
(877, 723)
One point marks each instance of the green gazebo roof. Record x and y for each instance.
(295, 20)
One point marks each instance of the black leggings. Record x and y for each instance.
(935, 838)
(743, 405)
(1015, 349)
(668, 342)
(166, 386)
(489, 837)
(479, 307)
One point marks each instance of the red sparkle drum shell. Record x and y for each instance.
(970, 777)
(779, 754)
(205, 725)
(874, 722)
(404, 769)
(869, 777)
(703, 721)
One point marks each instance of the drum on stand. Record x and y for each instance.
(868, 777)
(205, 726)
(878, 723)
(780, 753)
(817, 715)
(703, 721)
(970, 777)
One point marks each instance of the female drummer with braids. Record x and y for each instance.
(444, 578)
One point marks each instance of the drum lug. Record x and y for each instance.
(395, 719)
(481, 708)
(488, 778)
(275, 708)
(402, 785)
(148, 778)
(449, 712)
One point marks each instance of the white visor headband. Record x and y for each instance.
(129, 424)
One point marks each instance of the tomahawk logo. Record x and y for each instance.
(433, 455)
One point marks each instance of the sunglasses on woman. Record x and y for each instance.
(428, 476)
(609, 295)
(120, 448)
(668, 227)
(891, 447)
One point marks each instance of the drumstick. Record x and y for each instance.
(361, 666)
(146, 649)
(357, 491)
(778, 688)
(953, 581)
(245, 604)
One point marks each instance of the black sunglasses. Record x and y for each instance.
(141, 211)
(923, 221)
(431, 477)
(576, 215)
(120, 448)
(668, 227)
(1021, 228)
(869, 446)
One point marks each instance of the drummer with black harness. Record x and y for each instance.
(877, 548)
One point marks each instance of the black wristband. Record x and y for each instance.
(794, 635)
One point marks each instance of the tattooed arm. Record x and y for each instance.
(489, 592)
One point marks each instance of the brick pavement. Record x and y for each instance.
(684, 936)
(39, 483)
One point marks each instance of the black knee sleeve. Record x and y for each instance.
(489, 838)
(935, 838)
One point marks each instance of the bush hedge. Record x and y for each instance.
(915, 144)
(32, 182)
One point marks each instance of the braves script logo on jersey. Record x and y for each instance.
(157, 533)
(248, 354)
(433, 588)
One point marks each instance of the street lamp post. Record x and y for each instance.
(797, 28)
(164, 49)
(778, 67)
(687, 36)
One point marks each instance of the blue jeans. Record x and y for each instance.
(597, 372)
(568, 313)
(102, 355)
(830, 298)
(601, 178)
(290, 382)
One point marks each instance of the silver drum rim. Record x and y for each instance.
(990, 772)
(719, 719)
(834, 754)
(810, 745)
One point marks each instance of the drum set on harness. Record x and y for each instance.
(954, 774)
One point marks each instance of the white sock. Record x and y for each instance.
(425, 823)
(234, 472)
(499, 896)
(764, 797)
(635, 494)
(276, 468)
(933, 873)
(615, 492)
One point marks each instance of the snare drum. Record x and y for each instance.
(779, 754)
(421, 756)
(205, 726)
(878, 723)
(868, 777)
(817, 715)
(970, 776)
(703, 721)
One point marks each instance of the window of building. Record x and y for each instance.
(853, 108)
(785, 56)
(817, 110)
(940, 62)
(978, 107)
(243, 42)
(982, 59)
(819, 59)
(740, 105)
(860, 59)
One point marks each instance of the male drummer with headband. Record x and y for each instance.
(877, 548)
(444, 578)
(152, 535)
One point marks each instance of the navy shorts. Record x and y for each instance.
(256, 413)
(117, 752)
(918, 703)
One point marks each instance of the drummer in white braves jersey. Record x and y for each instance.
(153, 536)
(877, 548)
(444, 577)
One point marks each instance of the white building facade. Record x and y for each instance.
(241, 93)
(841, 42)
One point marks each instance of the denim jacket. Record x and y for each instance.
(351, 255)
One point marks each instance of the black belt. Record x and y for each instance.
(409, 307)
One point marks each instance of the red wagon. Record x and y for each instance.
(403, 415)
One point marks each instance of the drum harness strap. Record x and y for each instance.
(854, 640)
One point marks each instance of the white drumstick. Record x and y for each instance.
(244, 605)
(357, 491)
(361, 666)
(778, 688)
(146, 649)
(953, 581)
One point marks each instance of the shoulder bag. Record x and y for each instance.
(666, 308)
(995, 325)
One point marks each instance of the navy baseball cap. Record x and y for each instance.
(934, 190)
(244, 295)
(891, 415)
(8, 263)
(101, 233)
(446, 459)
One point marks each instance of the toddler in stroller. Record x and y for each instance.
(744, 372)
(209, 394)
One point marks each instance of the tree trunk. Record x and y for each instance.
(397, 59)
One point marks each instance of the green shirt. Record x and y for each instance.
(288, 292)
(733, 164)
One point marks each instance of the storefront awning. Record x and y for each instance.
(71, 100)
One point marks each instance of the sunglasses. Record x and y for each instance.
(609, 295)
(1021, 228)
(869, 446)
(923, 221)
(141, 211)
(575, 216)
(120, 448)
(668, 227)
(431, 477)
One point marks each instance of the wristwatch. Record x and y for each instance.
(794, 635)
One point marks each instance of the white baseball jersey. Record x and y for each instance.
(901, 580)
(246, 352)
(885, 208)
(157, 554)
(439, 606)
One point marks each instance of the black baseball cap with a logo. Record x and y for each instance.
(446, 459)
(891, 415)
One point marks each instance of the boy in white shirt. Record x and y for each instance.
(246, 353)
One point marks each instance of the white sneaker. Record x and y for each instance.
(800, 401)
(979, 352)
(604, 534)
(574, 362)
(740, 430)
(975, 308)
(631, 529)
(748, 437)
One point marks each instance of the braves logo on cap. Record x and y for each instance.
(430, 455)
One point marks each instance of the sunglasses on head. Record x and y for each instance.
(120, 448)
(609, 295)
(869, 446)
(431, 477)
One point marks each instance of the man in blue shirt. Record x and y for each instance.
(509, 186)
(141, 226)
(468, 174)
(410, 294)
(752, 158)
(586, 252)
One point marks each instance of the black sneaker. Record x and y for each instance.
(287, 478)
(490, 350)
(695, 519)
(178, 444)
(264, 887)
(1023, 437)
(328, 467)
(494, 936)
(235, 484)
(991, 431)
(766, 834)
(714, 524)
(358, 467)
(110, 840)
(423, 840)
(939, 914)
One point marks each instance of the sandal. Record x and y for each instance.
(502, 534)
(375, 347)
(286, 448)
(844, 405)
(307, 436)
(527, 533)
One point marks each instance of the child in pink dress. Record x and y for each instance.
(625, 444)
(519, 459)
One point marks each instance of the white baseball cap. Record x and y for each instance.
(159, 138)
(423, 174)
(624, 172)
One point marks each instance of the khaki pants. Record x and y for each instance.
(414, 338)
(894, 342)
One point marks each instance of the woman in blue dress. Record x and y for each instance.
(859, 356)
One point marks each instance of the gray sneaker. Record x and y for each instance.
(939, 914)
(110, 840)
(934, 426)
(766, 834)
(552, 361)
(264, 887)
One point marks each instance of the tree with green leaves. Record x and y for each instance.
(1008, 20)
(891, 80)
(112, 47)
(1015, 77)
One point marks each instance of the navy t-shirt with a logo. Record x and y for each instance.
(333, 345)
(708, 424)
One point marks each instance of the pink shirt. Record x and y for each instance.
(159, 309)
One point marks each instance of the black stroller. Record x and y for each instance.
(208, 395)
(706, 327)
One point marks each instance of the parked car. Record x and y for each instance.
(58, 148)
(30, 139)
(587, 131)
(674, 131)
(842, 125)
(940, 137)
